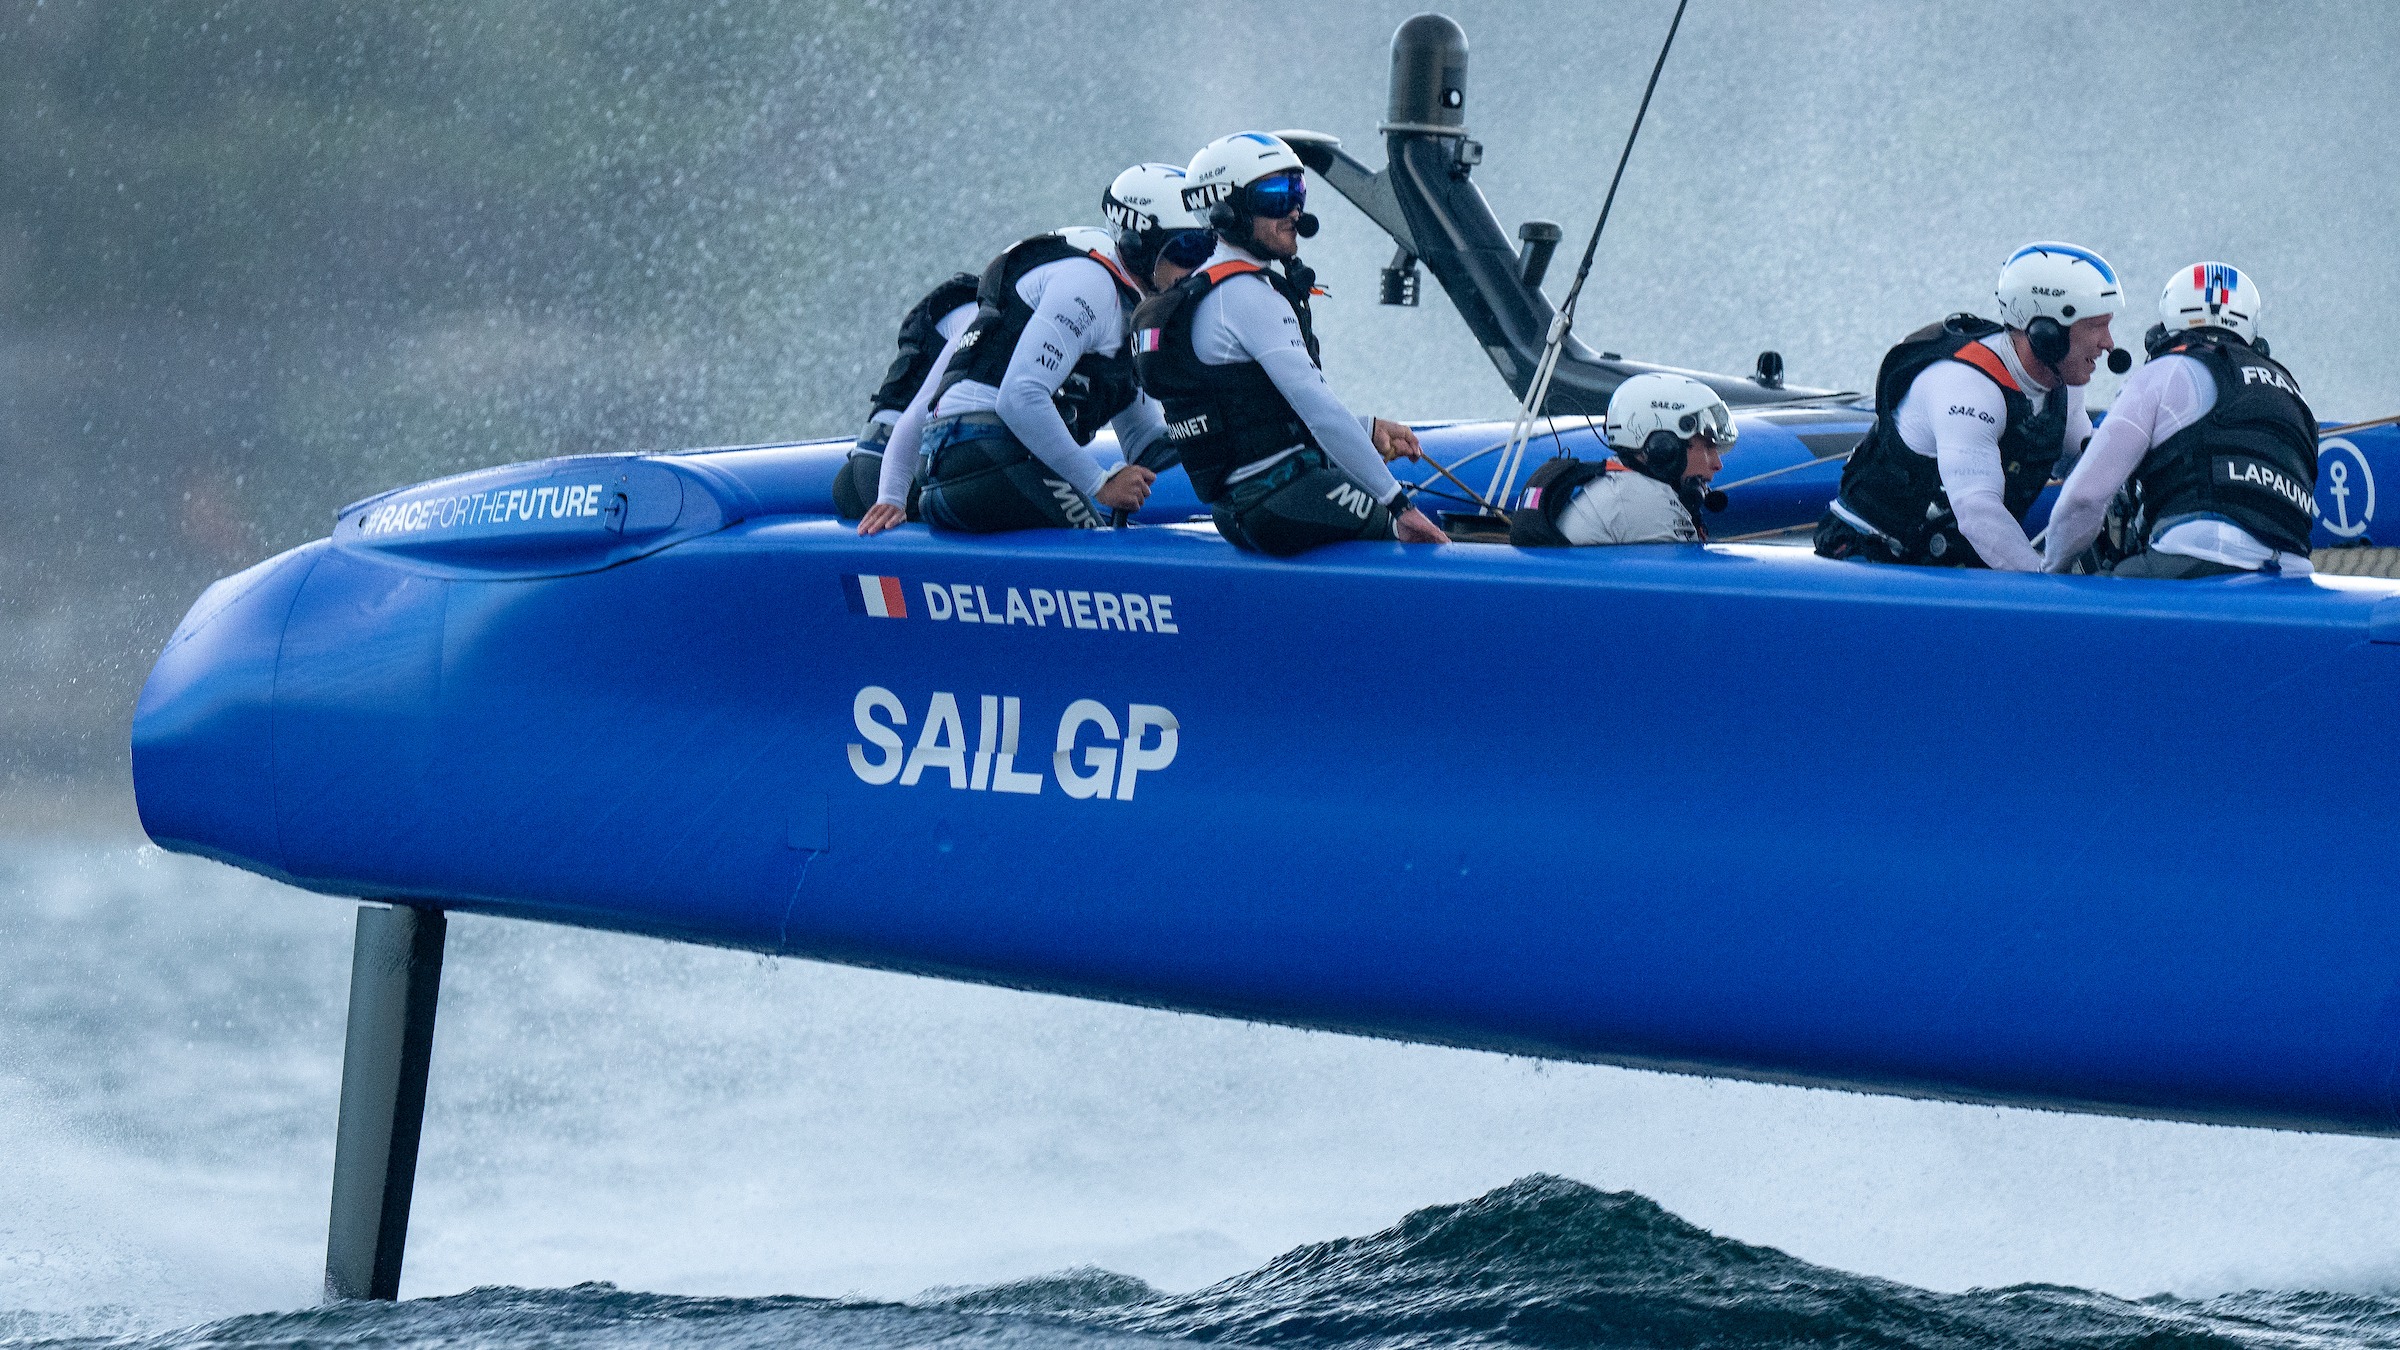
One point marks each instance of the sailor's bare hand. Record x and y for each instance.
(1413, 528)
(880, 518)
(1127, 488)
(1393, 440)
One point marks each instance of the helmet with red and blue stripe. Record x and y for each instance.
(2211, 295)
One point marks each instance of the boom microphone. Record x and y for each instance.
(1713, 499)
(2119, 360)
(1307, 226)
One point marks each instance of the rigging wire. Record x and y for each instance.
(1537, 392)
(1788, 468)
(2359, 426)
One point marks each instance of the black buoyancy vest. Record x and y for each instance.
(1534, 524)
(1899, 491)
(1553, 488)
(1218, 417)
(2252, 460)
(921, 342)
(1097, 389)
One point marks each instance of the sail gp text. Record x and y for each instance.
(1096, 756)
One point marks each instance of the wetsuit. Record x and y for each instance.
(925, 330)
(1024, 390)
(2225, 483)
(1231, 353)
(1963, 444)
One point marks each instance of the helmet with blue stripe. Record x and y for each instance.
(2046, 289)
(1227, 183)
(2056, 281)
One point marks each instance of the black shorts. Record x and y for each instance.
(1297, 505)
(980, 479)
(856, 482)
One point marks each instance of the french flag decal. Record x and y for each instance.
(1146, 339)
(876, 597)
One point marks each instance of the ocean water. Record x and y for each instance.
(629, 1141)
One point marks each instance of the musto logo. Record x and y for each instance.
(1096, 758)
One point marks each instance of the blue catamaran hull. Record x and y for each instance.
(2064, 842)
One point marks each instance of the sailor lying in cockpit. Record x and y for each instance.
(1669, 434)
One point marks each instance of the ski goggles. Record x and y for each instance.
(1188, 249)
(1713, 424)
(1278, 196)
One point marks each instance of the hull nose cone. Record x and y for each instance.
(203, 751)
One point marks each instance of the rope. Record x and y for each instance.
(2359, 426)
(1537, 393)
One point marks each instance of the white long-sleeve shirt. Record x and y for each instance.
(906, 446)
(1954, 414)
(1626, 508)
(1078, 309)
(1245, 319)
(2157, 401)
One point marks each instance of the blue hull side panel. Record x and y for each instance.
(2064, 842)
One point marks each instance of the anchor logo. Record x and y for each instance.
(2353, 506)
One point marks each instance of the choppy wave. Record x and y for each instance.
(1542, 1262)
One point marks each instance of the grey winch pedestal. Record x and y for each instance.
(395, 978)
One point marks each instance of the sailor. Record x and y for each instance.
(1231, 352)
(928, 326)
(1970, 418)
(1669, 433)
(2215, 438)
(1019, 395)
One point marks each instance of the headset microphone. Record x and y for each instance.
(1714, 499)
(1307, 226)
(2120, 360)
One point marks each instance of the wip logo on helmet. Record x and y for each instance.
(876, 597)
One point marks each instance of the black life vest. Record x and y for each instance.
(921, 342)
(2252, 460)
(1534, 524)
(1553, 488)
(1097, 389)
(1899, 491)
(1218, 417)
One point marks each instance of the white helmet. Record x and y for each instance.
(2211, 295)
(2059, 282)
(1213, 185)
(1144, 207)
(1675, 407)
(1148, 197)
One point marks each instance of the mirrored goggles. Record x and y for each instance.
(1188, 249)
(1280, 195)
(1713, 423)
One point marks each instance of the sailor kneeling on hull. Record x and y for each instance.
(925, 331)
(1231, 352)
(1021, 393)
(2215, 439)
(1970, 418)
(1669, 433)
